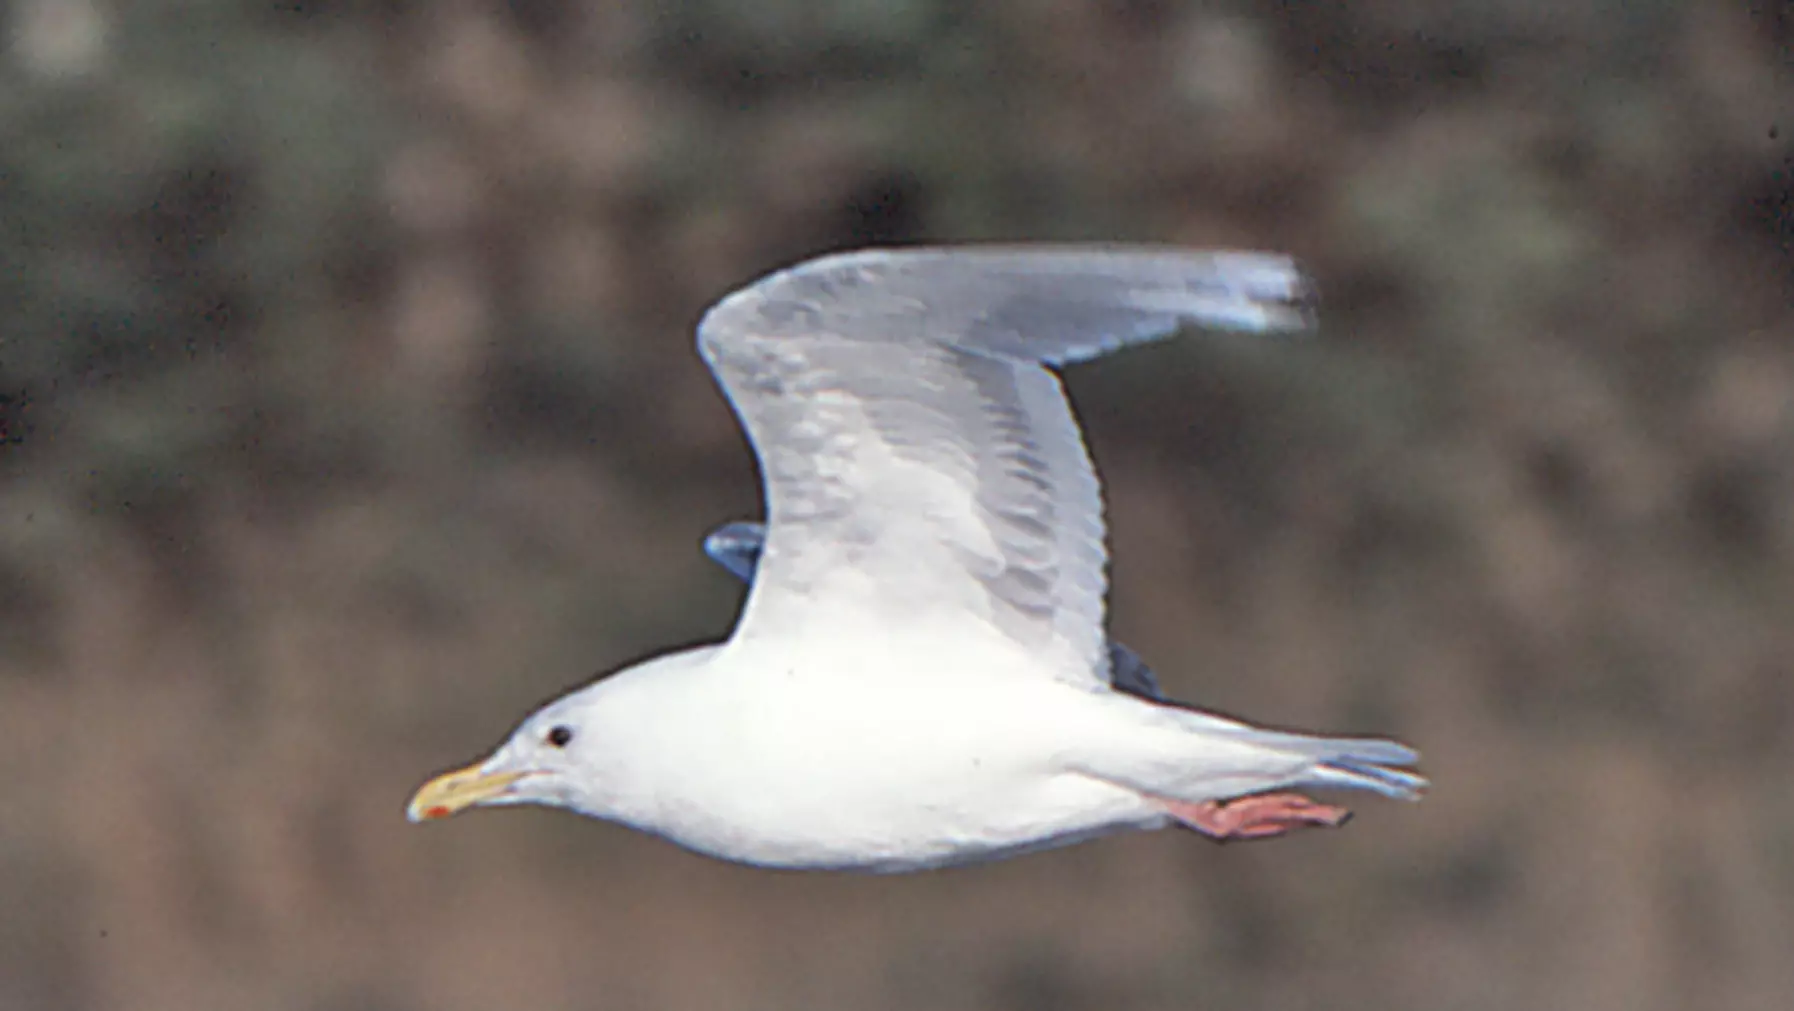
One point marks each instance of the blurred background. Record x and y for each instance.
(348, 410)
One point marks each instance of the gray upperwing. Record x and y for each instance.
(736, 547)
(1128, 673)
(915, 444)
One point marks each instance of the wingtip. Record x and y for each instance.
(1286, 296)
(1260, 293)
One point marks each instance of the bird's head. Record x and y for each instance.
(575, 752)
(548, 759)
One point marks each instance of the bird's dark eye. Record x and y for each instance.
(559, 736)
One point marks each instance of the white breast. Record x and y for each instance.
(874, 758)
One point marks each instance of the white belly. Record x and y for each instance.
(860, 770)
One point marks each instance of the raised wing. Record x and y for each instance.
(736, 547)
(918, 457)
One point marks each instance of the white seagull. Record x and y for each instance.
(920, 675)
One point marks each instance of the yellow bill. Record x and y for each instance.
(455, 791)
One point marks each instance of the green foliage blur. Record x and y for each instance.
(348, 410)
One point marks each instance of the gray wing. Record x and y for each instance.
(736, 547)
(1128, 673)
(919, 458)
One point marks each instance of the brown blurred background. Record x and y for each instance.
(350, 410)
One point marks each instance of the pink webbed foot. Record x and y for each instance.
(1259, 816)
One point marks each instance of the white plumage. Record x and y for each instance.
(920, 674)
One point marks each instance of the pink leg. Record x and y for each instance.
(1258, 816)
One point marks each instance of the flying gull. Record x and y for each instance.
(920, 674)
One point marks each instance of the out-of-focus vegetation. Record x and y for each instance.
(349, 410)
